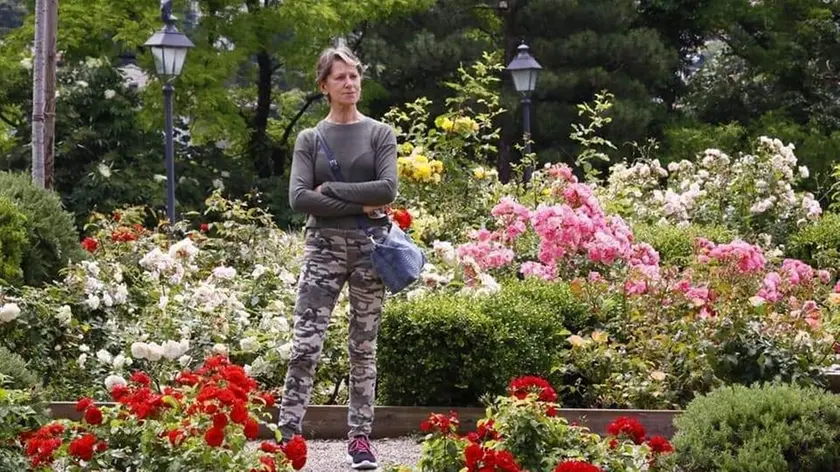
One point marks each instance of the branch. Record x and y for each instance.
(310, 99)
(8, 121)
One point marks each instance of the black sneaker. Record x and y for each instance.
(359, 454)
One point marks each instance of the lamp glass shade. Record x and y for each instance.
(169, 60)
(525, 80)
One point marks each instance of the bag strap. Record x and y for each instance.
(335, 169)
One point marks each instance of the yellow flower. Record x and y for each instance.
(479, 173)
(444, 123)
(436, 178)
(834, 299)
(406, 148)
(600, 336)
(420, 159)
(423, 171)
(437, 166)
(465, 125)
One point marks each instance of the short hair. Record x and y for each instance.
(328, 58)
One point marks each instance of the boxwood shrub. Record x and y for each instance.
(763, 428)
(450, 350)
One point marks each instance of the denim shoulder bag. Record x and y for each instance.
(397, 260)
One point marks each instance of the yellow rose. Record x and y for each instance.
(576, 341)
(444, 123)
(600, 336)
(657, 375)
(479, 173)
(422, 171)
(406, 148)
(437, 166)
(420, 159)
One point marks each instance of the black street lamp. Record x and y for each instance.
(525, 70)
(169, 48)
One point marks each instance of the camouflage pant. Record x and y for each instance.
(333, 257)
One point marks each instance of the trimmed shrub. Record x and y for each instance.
(818, 243)
(450, 350)
(13, 242)
(53, 239)
(675, 244)
(760, 429)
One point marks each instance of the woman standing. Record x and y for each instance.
(337, 248)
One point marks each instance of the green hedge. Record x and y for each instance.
(450, 350)
(818, 243)
(53, 238)
(760, 429)
(675, 244)
(13, 242)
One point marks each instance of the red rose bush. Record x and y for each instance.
(201, 422)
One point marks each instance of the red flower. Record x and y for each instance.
(269, 463)
(176, 437)
(141, 378)
(576, 466)
(220, 420)
(41, 445)
(485, 432)
(90, 244)
(551, 411)
(204, 227)
(270, 447)
(83, 447)
(214, 437)
(252, 430)
(295, 450)
(119, 391)
(268, 399)
(117, 216)
(239, 414)
(629, 428)
(481, 459)
(123, 234)
(83, 404)
(403, 218)
(439, 422)
(520, 387)
(660, 445)
(187, 378)
(93, 415)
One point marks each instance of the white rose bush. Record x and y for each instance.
(163, 302)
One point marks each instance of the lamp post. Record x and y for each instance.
(169, 48)
(525, 70)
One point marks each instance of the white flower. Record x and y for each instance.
(803, 172)
(26, 63)
(119, 361)
(139, 350)
(445, 251)
(220, 349)
(104, 170)
(64, 315)
(249, 344)
(9, 312)
(112, 381)
(224, 272)
(104, 356)
(107, 300)
(82, 360)
(285, 351)
(287, 277)
(184, 360)
(84, 348)
(109, 94)
(121, 295)
(259, 270)
(82, 83)
(218, 184)
(92, 302)
(183, 249)
(155, 352)
(172, 350)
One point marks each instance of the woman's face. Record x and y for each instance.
(343, 85)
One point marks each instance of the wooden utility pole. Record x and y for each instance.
(38, 94)
(49, 90)
(43, 92)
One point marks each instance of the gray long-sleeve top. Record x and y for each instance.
(366, 151)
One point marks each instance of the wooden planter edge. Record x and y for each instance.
(330, 421)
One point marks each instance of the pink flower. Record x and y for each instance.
(748, 258)
(535, 269)
(562, 171)
(635, 286)
(824, 276)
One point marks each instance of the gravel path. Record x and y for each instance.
(328, 456)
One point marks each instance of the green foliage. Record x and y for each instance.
(13, 368)
(675, 244)
(460, 349)
(760, 429)
(53, 238)
(818, 243)
(687, 139)
(587, 135)
(13, 242)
